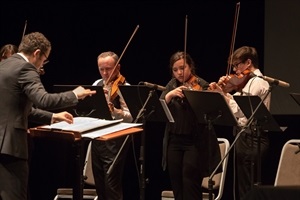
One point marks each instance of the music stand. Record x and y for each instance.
(296, 97)
(91, 106)
(211, 108)
(135, 97)
(144, 105)
(262, 119)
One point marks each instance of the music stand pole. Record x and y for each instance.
(117, 156)
(210, 123)
(121, 148)
(142, 149)
(210, 181)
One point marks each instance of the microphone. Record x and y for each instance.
(275, 81)
(154, 86)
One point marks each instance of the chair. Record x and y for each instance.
(67, 193)
(219, 179)
(288, 171)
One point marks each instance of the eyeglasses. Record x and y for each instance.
(47, 60)
(236, 65)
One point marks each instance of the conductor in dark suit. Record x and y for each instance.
(20, 89)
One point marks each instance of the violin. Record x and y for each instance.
(236, 82)
(193, 83)
(114, 86)
(111, 90)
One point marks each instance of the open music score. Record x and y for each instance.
(81, 124)
(87, 127)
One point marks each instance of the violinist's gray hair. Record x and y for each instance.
(108, 53)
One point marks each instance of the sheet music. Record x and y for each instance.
(167, 111)
(81, 124)
(111, 129)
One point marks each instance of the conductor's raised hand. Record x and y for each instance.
(81, 92)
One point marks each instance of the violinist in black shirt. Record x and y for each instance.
(185, 145)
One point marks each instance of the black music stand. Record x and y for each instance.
(91, 106)
(262, 119)
(144, 105)
(136, 96)
(296, 97)
(211, 109)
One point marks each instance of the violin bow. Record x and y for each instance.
(184, 47)
(118, 61)
(41, 70)
(24, 30)
(236, 19)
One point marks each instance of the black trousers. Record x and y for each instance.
(109, 186)
(247, 155)
(183, 161)
(13, 178)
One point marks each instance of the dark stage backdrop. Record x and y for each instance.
(79, 31)
(282, 51)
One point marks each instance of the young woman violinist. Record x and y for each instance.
(185, 145)
(245, 59)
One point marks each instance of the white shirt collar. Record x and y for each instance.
(23, 56)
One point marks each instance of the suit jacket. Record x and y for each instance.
(20, 89)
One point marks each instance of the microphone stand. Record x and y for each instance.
(142, 150)
(249, 121)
